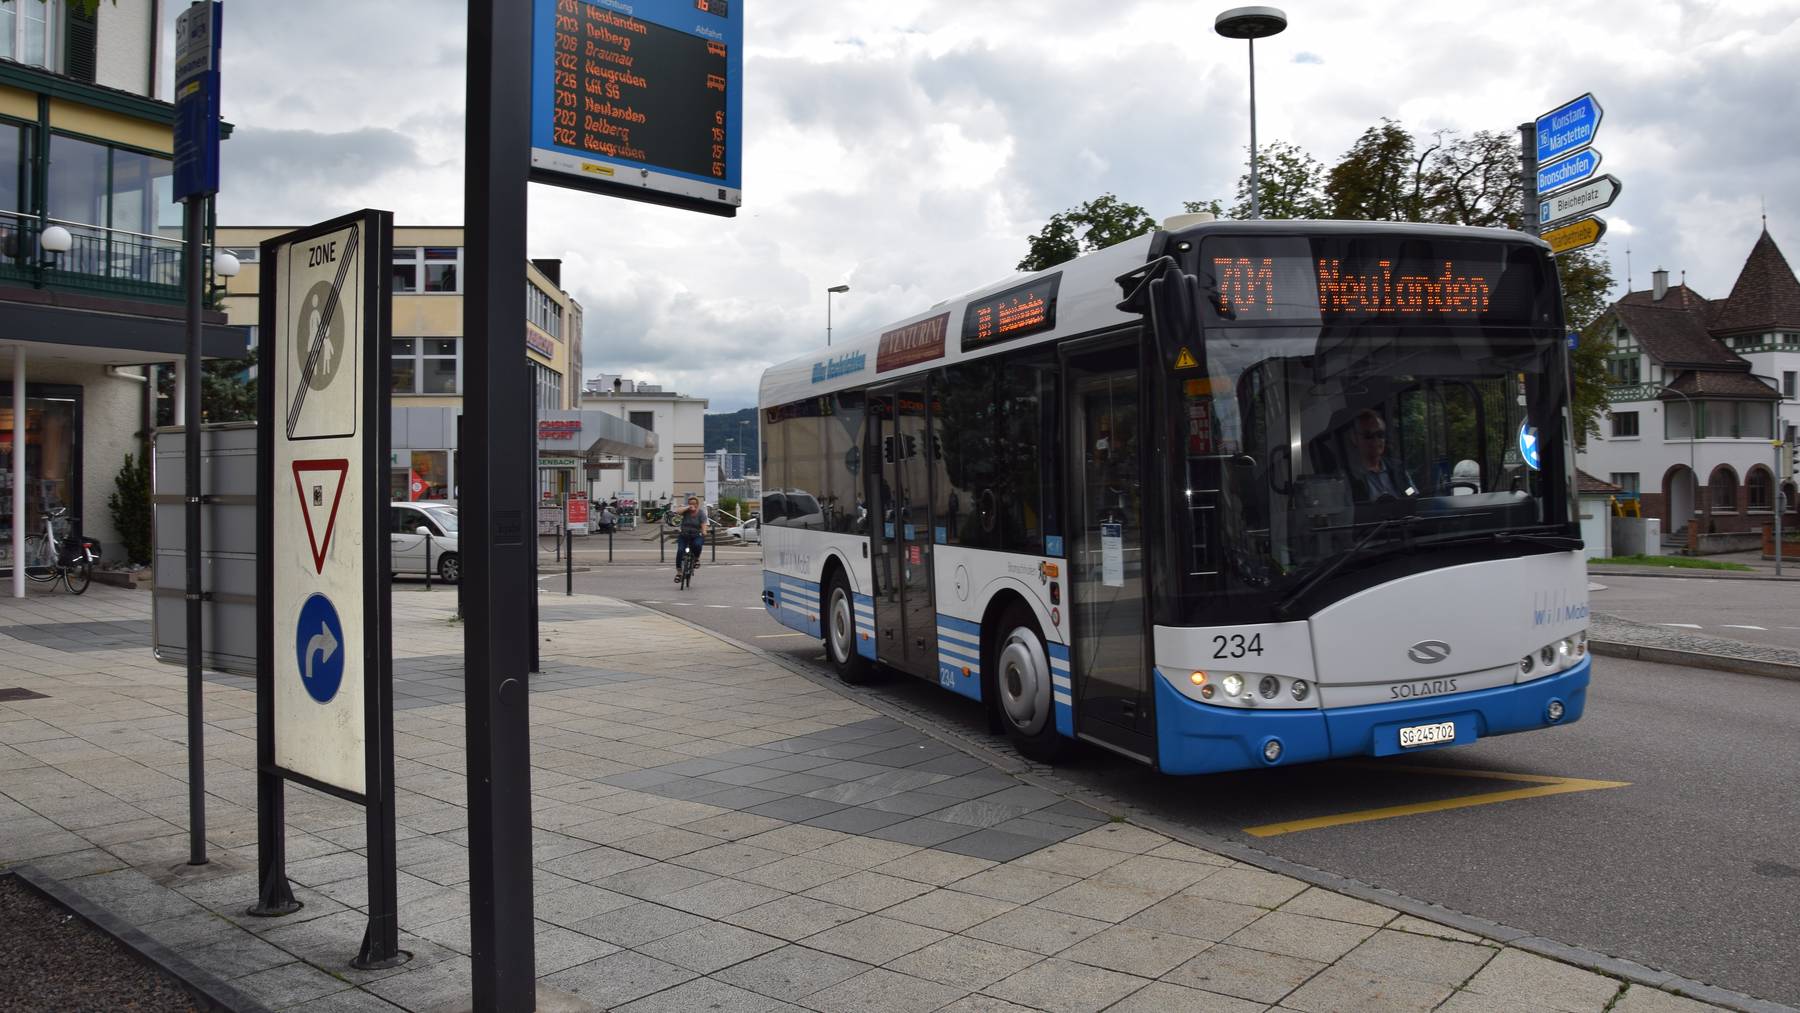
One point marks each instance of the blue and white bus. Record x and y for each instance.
(1228, 495)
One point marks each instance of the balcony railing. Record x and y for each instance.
(100, 260)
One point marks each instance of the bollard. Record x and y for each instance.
(715, 548)
(662, 546)
(609, 534)
(428, 561)
(569, 566)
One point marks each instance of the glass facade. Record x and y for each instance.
(415, 475)
(52, 448)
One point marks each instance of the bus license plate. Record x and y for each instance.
(1425, 735)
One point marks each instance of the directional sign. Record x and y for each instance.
(1589, 197)
(1565, 171)
(1568, 128)
(1528, 446)
(319, 648)
(197, 100)
(1575, 236)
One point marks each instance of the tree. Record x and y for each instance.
(1381, 178)
(1587, 281)
(227, 393)
(131, 511)
(1095, 225)
(1475, 180)
(1289, 184)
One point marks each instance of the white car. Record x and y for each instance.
(749, 531)
(408, 526)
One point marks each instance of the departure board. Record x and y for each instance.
(641, 100)
(1026, 309)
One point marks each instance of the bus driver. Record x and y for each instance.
(1377, 475)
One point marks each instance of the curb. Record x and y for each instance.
(1695, 659)
(1681, 573)
(1592, 960)
(208, 991)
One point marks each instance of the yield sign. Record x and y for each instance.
(321, 488)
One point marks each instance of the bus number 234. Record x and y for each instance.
(1235, 646)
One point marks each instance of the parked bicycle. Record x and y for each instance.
(48, 558)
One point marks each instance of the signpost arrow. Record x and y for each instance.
(1570, 169)
(1594, 195)
(1575, 236)
(1568, 128)
(322, 644)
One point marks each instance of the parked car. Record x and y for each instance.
(749, 531)
(408, 525)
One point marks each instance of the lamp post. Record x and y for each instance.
(1250, 24)
(833, 290)
(1693, 435)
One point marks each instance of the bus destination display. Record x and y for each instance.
(1025, 309)
(639, 100)
(1294, 280)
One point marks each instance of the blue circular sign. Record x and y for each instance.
(320, 649)
(1528, 445)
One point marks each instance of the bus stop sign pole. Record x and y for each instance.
(499, 591)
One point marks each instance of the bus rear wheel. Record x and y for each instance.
(840, 632)
(1024, 688)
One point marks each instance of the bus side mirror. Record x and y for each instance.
(1170, 298)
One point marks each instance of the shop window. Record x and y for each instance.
(52, 448)
(424, 475)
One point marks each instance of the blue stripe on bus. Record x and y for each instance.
(795, 602)
(959, 656)
(865, 624)
(1062, 691)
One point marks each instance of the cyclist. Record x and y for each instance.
(694, 524)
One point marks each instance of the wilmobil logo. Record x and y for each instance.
(843, 365)
(1553, 608)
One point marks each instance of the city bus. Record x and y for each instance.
(1229, 495)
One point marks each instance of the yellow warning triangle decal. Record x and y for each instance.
(1185, 360)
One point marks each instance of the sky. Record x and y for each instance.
(909, 148)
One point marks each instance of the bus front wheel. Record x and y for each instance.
(1023, 684)
(840, 632)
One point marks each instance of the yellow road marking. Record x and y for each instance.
(1546, 786)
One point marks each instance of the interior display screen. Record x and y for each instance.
(1298, 279)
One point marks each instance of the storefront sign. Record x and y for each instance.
(558, 430)
(578, 509)
(540, 344)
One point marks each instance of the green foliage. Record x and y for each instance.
(1381, 178)
(733, 505)
(1670, 562)
(130, 506)
(1095, 225)
(226, 392)
(1289, 184)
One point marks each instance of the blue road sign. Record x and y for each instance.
(1528, 446)
(1568, 128)
(197, 100)
(1574, 341)
(319, 647)
(1564, 171)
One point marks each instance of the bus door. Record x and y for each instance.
(1106, 443)
(900, 538)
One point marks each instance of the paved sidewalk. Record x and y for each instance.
(712, 831)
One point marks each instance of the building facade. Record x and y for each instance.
(1701, 392)
(428, 347)
(679, 422)
(92, 280)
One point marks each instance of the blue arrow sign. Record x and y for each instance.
(1570, 169)
(1568, 128)
(319, 648)
(1528, 446)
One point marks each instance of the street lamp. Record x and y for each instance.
(1250, 24)
(833, 290)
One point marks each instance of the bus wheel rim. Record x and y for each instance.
(1024, 682)
(842, 628)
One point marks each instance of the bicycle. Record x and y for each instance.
(684, 570)
(47, 558)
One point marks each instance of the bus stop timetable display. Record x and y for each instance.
(639, 99)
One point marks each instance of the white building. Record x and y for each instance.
(679, 420)
(1702, 388)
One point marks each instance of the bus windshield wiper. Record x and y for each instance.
(1284, 608)
(1511, 535)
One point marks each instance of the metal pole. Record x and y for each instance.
(609, 538)
(1528, 167)
(427, 560)
(569, 564)
(1255, 200)
(497, 563)
(827, 318)
(1777, 503)
(195, 215)
(18, 475)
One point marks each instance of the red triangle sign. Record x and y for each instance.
(321, 487)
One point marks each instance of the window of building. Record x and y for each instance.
(420, 475)
(1788, 378)
(1750, 419)
(543, 311)
(117, 204)
(1624, 424)
(432, 269)
(642, 469)
(244, 254)
(548, 385)
(15, 167)
(28, 32)
(1627, 481)
(427, 365)
(1722, 487)
(1759, 488)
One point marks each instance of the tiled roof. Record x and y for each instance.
(1676, 297)
(1674, 335)
(1766, 296)
(1588, 485)
(1721, 383)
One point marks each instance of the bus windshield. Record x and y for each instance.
(1325, 428)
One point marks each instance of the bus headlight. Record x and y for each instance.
(1548, 655)
(1566, 649)
(1301, 689)
(1526, 664)
(1233, 684)
(1269, 687)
